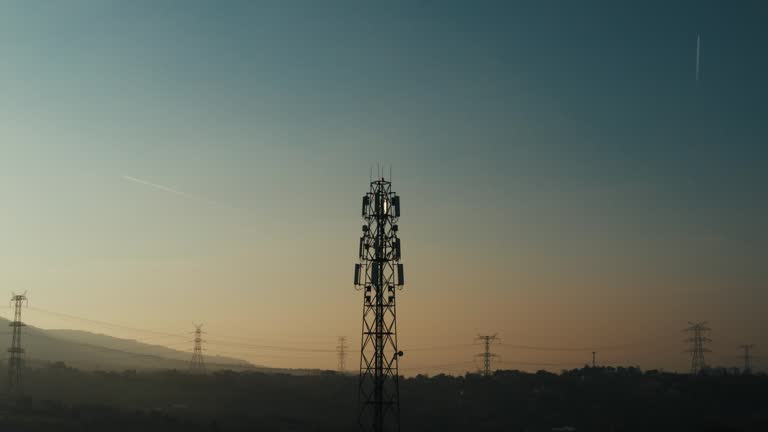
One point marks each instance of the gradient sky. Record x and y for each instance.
(566, 181)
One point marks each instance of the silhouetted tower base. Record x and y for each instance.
(379, 274)
(16, 352)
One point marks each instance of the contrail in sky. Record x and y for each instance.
(159, 187)
(698, 55)
(177, 192)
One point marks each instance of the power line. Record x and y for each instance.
(269, 347)
(569, 349)
(244, 342)
(266, 356)
(532, 347)
(522, 363)
(172, 335)
(182, 335)
(89, 347)
(316, 341)
(438, 366)
(440, 347)
(522, 347)
(247, 347)
(104, 323)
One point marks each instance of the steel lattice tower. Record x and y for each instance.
(341, 351)
(697, 341)
(487, 355)
(16, 352)
(378, 274)
(197, 365)
(747, 358)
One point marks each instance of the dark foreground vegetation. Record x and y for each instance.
(602, 399)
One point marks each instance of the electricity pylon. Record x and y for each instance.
(697, 341)
(341, 351)
(16, 352)
(487, 355)
(197, 365)
(747, 358)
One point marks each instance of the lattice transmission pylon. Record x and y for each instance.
(697, 341)
(487, 355)
(379, 274)
(15, 351)
(341, 352)
(197, 365)
(747, 358)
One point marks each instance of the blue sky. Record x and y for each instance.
(556, 156)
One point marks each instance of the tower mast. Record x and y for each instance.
(379, 273)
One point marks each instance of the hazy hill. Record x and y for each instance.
(91, 351)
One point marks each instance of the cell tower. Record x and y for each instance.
(16, 352)
(487, 355)
(341, 351)
(747, 358)
(697, 341)
(378, 274)
(197, 365)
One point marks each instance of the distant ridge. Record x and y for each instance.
(92, 351)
